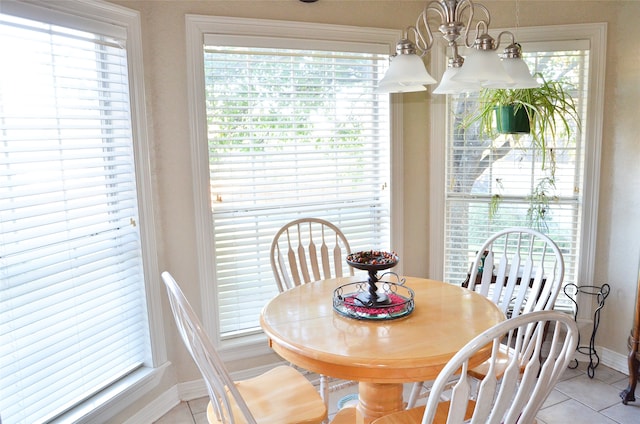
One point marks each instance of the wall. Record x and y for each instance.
(618, 243)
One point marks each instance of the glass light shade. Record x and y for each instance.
(483, 67)
(398, 88)
(449, 86)
(519, 72)
(406, 70)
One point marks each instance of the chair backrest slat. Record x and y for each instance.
(293, 262)
(313, 256)
(326, 268)
(302, 258)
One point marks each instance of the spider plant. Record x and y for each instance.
(539, 203)
(549, 107)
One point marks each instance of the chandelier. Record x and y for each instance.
(482, 68)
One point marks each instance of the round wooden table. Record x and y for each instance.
(304, 329)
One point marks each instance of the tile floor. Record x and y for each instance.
(576, 399)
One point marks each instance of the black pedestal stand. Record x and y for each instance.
(571, 290)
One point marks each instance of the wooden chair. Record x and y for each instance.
(513, 394)
(306, 250)
(506, 260)
(279, 396)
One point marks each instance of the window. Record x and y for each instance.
(293, 129)
(480, 171)
(73, 311)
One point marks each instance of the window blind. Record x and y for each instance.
(292, 133)
(72, 302)
(489, 182)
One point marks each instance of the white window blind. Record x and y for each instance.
(507, 169)
(292, 133)
(72, 302)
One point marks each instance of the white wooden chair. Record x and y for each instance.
(279, 396)
(306, 250)
(510, 393)
(506, 260)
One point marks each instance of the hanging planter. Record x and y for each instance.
(549, 109)
(512, 120)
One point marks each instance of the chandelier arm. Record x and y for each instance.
(406, 46)
(505, 33)
(460, 10)
(437, 7)
(424, 41)
(460, 7)
(487, 15)
(482, 29)
(481, 22)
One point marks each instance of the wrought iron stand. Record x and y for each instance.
(571, 290)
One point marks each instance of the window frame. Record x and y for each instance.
(93, 15)
(199, 25)
(595, 34)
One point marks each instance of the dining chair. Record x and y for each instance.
(509, 393)
(306, 250)
(519, 269)
(279, 396)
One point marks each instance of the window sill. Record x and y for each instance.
(111, 401)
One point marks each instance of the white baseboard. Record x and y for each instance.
(614, 360)
(609, 358)
(158, 407)
(191, 390)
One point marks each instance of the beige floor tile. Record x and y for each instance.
(608, 375)
(198, 406)
(592, 392)
(623, 414)
(570, 373)
(554, 398)
(181, 414)
(622, 384)
(200, 418)
(571, 411)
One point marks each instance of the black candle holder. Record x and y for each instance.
(373, 261)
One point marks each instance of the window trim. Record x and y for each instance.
(595, 33)
(106, 404)
(196, 27)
